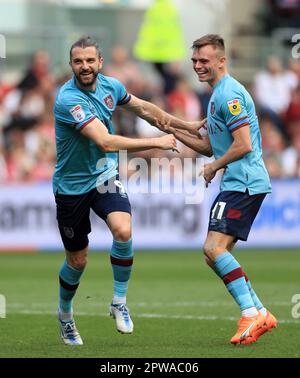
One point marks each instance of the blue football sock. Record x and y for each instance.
(121, 260)
(69, 278)
(255, 298)
(233, 277)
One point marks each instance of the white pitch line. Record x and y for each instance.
(36, 305)
(149, 316)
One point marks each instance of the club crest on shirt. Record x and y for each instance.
(212, 108)
(69, 232)
(109, 101)
(234, 107)
(77, 113)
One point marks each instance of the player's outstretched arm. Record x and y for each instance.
(196, 143)
(97, 132)
(157, 117)
(199, 143)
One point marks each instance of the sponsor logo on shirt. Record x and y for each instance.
(78, 113)
(93, 109)
(234, 107)
(212, 108)
(109, 101)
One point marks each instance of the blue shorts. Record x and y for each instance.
(233, 213)
(73, 212)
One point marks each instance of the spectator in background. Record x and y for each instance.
(4, 90)
(293, 72)
(38, 70)
(183, 102)
(40, 142)
(292, 116)
(24, 105)
(125, 70)
(272, 91)
(273, 145)
(280, 14)
(291, 157)
(287, 13)
(170, 73)
(3, 166)
(23, 108)
(19, 162)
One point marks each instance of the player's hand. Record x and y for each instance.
(194, 127)
(163, 124)
(208, 173)
(168, 142)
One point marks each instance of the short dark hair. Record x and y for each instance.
(83, 42)
(210, 39)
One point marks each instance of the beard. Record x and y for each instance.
(208, 76)
(86, 80)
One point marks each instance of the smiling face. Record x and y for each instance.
(209, 63)
(85, 64)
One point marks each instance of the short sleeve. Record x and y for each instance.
(123, 96)
(75, 111)
(234, 112)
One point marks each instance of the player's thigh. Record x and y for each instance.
(233, 213)
(72, 214)
(216, 243)
(119, 224)
(113, 206)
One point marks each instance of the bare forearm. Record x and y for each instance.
(200, 145)
(152, 113)
(117, 143)
(235, 152)
(97, 132)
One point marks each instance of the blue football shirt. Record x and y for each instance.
(81, 165)
(231, 107)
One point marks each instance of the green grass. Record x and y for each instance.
(179, 307)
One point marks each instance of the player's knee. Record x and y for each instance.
(122, 233)
(77, 261)
(211, 250)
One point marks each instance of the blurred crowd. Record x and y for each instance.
(279, 14)
(27, 146)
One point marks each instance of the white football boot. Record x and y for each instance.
(120, 313)
(69, 332)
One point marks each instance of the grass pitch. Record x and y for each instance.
(179, 307)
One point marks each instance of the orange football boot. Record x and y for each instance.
(248, 329)
(270, 323)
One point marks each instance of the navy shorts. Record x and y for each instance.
(73, 212)
(233, 213)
